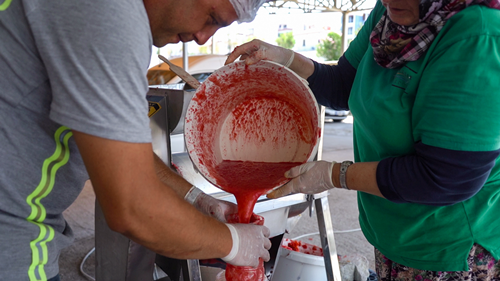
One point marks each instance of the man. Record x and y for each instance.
(72, 96)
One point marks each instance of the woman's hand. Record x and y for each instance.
(309, 178)
(256, 50)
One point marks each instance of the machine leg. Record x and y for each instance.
(179, 270)
(327, 240)
(172, 267)
(192, 270)
(117, 257)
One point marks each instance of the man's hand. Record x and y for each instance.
(206, 204)
(256, 50)
(250, 242)
(309, 178)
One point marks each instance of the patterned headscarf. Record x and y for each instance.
(394, 44)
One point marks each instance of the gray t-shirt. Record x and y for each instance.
(63, 65)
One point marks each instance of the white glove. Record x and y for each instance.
(256, 50)
(250, 242)
(208, 205)
(309, 178)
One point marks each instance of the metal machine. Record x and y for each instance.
(118, 258)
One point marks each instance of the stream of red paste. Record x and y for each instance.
(249, 180)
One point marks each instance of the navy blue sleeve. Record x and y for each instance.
(434, 176)
(331, 84)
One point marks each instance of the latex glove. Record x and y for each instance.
(256, 50)
(250, 242)
(309, 178)
(208, 205)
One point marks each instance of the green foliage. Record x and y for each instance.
(331, 47)
(286, 40)
(203, 49)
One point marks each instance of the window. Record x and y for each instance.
(350, 19)
(349, 31)
(303, 43)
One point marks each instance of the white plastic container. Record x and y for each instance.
(293, 265)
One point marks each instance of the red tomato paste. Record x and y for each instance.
(249, 180)
(301, 247)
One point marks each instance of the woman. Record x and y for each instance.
(421, 81)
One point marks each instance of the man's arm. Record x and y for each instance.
(137, 204)
(205, 203)
(171, 178)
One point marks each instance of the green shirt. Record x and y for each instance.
(449, 98)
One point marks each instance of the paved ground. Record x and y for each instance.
(337, 147)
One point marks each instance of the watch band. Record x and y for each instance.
(343, 171)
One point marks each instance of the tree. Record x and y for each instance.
(343, 6)
(286, 40)
(331, 47)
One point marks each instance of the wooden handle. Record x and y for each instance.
(182, 73)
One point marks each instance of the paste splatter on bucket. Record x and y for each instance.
(247, 125)
(299, 261)
(301, 247)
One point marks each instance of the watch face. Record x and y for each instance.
(343, 170)
(345, 164)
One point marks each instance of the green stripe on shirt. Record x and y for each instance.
(50, 166)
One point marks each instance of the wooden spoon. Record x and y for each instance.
(182, 73)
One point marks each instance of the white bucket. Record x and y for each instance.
(293, 265)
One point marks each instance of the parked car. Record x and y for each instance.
(333, 115)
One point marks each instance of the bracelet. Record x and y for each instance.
(343, 171)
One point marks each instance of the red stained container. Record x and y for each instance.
(263, 114)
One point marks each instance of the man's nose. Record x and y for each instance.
(202, 36)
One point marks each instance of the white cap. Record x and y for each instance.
(246, 9)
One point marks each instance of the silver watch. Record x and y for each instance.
(343, 171)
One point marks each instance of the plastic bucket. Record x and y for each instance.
(297, 265)
(261, 113)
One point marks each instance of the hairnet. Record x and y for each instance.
(246, 9)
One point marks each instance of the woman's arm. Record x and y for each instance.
(331, 84)
(431, 176)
